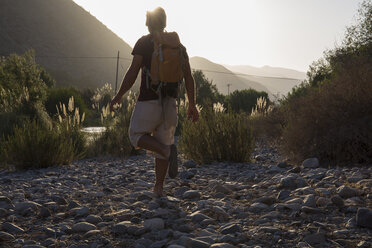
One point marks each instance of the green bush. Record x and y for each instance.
(245, 100)
(217, 136)
(62, 95)
(33, 146)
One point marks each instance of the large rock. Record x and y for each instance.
(191, 194)
(4, 236)
(198, 217)
(22, 206)
(231, 229)
(154, 224)
(121, 227)
(194, 243)
(315, 238)
(310, 163)
(83, 227)
(11, 228)
(364, 217)
(347, 192)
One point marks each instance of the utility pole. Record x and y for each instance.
(117, 71)
(228, 89)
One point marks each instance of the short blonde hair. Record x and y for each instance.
(156, 20)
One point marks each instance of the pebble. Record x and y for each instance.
(310, 163)
(191, 194)
(347, 192)
(83, 227)
(364, 217)
(11, 228)
(154, 224)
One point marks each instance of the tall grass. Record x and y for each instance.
(115, 140)
(217, 136)
(33, 145)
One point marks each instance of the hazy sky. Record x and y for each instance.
(283, 33)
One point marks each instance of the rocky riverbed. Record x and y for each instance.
(266, 203)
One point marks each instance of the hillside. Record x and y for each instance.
(58, 29)
(285, 81)
(222, 76)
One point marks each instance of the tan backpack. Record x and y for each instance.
(167, 61)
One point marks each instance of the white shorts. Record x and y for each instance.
(148, 118)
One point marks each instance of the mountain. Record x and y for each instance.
(221, 76)
(63, 35)
(278, 80)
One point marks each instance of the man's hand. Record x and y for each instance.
(192, 113)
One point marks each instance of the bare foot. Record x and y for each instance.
(158, 190)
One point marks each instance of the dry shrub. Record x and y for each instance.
(334, 121)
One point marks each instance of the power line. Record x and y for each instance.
(204, 70)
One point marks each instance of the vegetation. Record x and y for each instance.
(330, 115)
(217, 136)
(115, 140)
(245, 100)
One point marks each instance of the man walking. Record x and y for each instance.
(154, 118)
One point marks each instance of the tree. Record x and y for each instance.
(245, 100)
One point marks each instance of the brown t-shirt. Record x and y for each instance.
(145, 48)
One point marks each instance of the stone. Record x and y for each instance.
(44, 212)
(310, 163)
(83, 227)
(231, 229)
(268, 200)
(322, 201)
(191, 194)
(314, 239)
(59, 200)
(189, 164)
(309, 201)
(222, 245)
(364, 217)
(258, 207)
(222, 189)
(194, 243)
(283, 194)
(154, 224)
(310, 210)
(159, 244)
(289, 182)
(4, 236)
(3, 212)
(347, 192)
(5, 203)
(176, 246)
(121, 227)
(91, 233)
(94, 219)
(80, 211)
(337, 200)
(197, 217)
(185, 175)
(283, 165)
(11, 228)
(22, 206)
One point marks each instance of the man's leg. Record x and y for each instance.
(148, 142)
(161, 167)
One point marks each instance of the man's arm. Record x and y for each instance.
(192, 112)
(129, 79)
